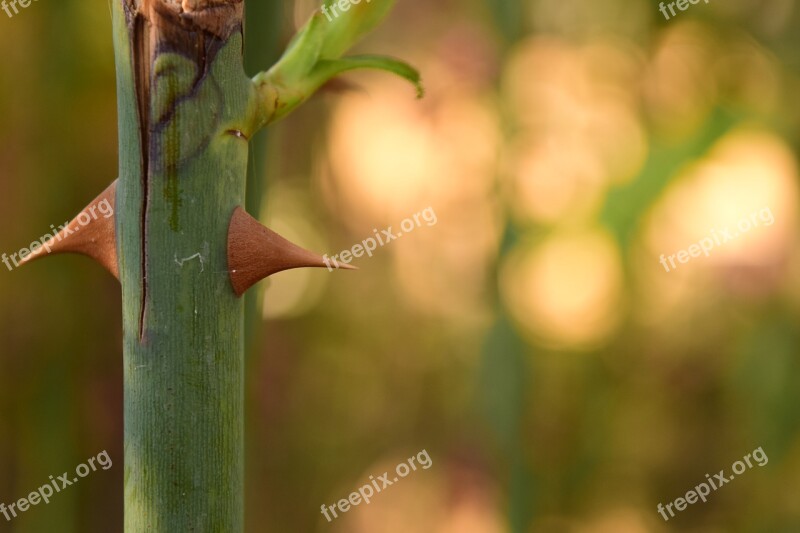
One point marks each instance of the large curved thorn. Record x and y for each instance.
(255, 252)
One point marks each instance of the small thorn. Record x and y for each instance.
(256, 252)
(92, 233)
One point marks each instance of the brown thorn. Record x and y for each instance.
(95, 238)
(255, 252)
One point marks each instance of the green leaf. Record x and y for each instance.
(313, 58)
(326, 70)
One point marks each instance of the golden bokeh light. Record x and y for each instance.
(748, 186)
(743, 198)
(579, 130)
(557, 178)
(443, 269)
(392, 157)
(390, 154)
(567, 291)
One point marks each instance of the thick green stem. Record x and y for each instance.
(186, 113)
(183, 98)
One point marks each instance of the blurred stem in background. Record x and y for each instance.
(505, 371)
(264, 43)
(508, 16)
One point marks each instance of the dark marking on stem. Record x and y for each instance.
(141, 47)
(238, 133)
(197, 30)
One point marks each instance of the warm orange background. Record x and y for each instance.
(559, 377)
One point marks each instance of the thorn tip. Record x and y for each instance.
(97, 240)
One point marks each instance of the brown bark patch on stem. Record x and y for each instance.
(219, 18)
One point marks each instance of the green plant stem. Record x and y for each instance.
(182, 173)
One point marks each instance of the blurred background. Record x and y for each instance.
(559, 377)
